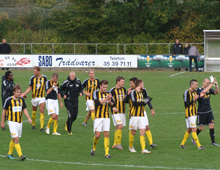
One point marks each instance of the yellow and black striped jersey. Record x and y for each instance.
(14, 108)
(190, 105)
(118, 95)
(101, 110)
(138, 104)
(129, 101)
(90, 86)
(38, 86)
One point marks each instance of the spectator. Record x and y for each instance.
(5, 49)
(193, 53)
(177, 48)
(186, 49)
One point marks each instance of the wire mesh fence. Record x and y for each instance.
(96, 48)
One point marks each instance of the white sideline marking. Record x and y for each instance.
(109, 165)
(177, 73)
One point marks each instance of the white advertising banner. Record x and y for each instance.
(84, 61)
(15, 60)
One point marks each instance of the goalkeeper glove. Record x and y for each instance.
(211, 78)
(216, 82)
(147, 100)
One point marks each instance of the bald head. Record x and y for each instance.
(205, 82)
(72, 75)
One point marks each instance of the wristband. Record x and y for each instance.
(53, 86)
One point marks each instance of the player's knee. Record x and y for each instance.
(120, 127)
(201, 128)
(211, 126)
(16, 140)
(147, 128)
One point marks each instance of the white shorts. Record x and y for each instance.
(119, 118)
(90, 105)
(101, 125)
(37, 101)
(191, 122)
(52, 106)
(146, 118)
(137, 122)
(15, 129)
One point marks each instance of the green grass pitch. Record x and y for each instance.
(167, 126)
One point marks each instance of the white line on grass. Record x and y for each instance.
(109, 165)
(177, 73)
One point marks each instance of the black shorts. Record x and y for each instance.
(205, 119)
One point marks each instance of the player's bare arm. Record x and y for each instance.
(27, 91)
(59, 98)
(27, 115)
(152, 112)
(87, 94)
(50, 89)
(206, 89)
(3, 119)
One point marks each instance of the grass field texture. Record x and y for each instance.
(167, 126)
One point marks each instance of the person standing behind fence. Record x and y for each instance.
(193, 54)
(186, 49)
(177, 48)
(5, 49)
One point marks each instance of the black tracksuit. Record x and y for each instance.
(71, 89)
(177, 49)
(5, 48)
(7, 89)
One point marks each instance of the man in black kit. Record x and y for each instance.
(71, 88)
(205, 115)
(7, 87)
(177, 49)
(5, 49)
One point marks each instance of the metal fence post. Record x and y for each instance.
(74, 48)
(125, 48)
(146, 48)
(118, 48)
(52, 48)
(31, 49)
(96, 48)
(24, 48)
(169, 49)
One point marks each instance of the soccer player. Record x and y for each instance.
(137, 120)
(15, 105)
(128, 100)
(53, 92)
(118, 93)
(37, 85)
(91, 84)
(71, 88)
(190, 96)
(103, 100)
(205, 115)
